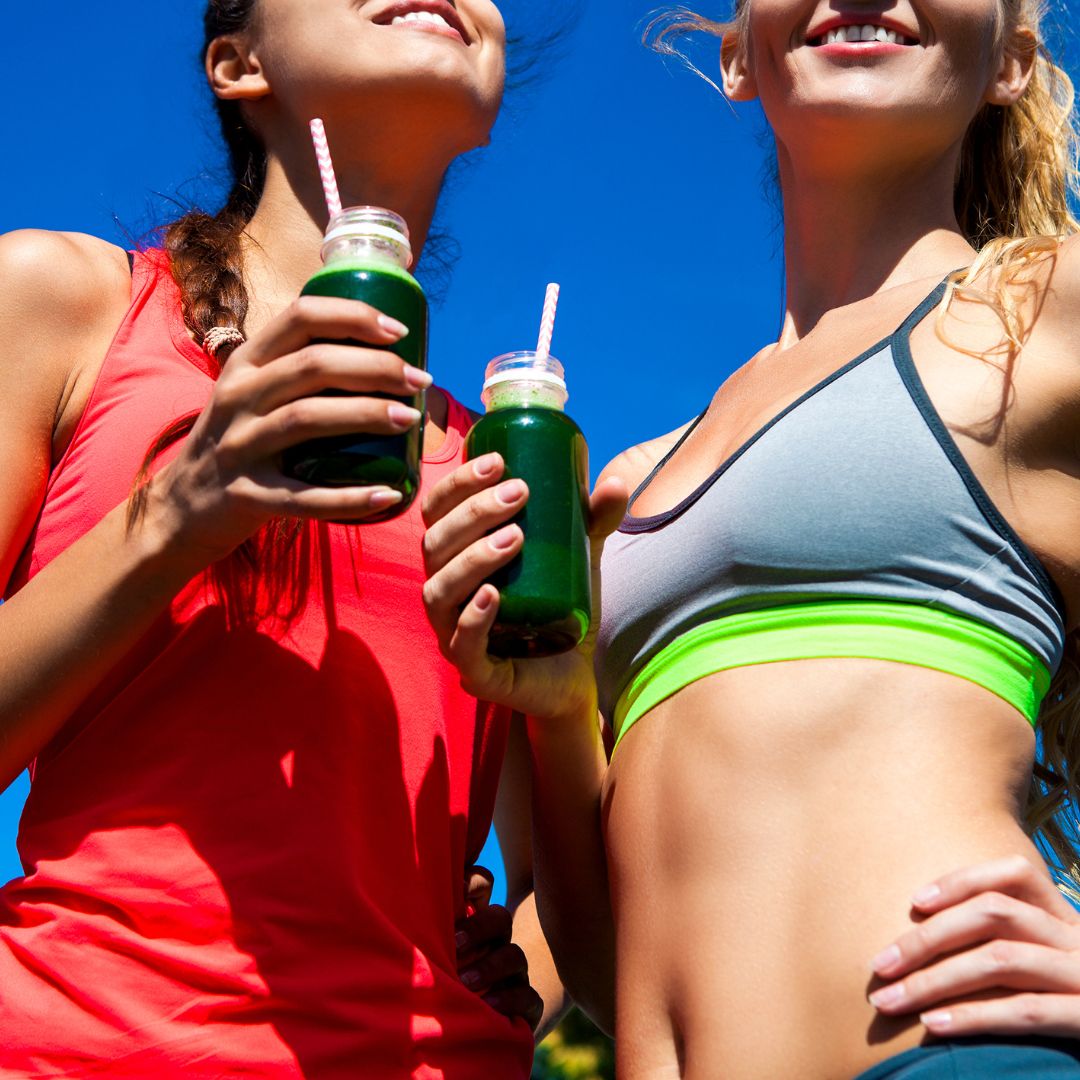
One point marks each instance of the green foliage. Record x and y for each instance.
(575, 1050)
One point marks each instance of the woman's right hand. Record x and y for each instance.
(226, 481)
(463, 547)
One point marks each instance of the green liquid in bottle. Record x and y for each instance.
(546, 592)
(390, 460)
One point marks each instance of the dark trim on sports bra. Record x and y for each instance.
(900, 344)
(633, 524)
(905, 365)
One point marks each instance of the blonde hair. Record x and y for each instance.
(1018, 170)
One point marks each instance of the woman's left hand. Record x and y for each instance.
(998, 953)
(489, 963)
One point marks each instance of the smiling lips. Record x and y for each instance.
(864, 34)
(431, 16)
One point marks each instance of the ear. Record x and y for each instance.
(234, 70)
(1017, 66)
(738, 82)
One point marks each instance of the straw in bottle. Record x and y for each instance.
(326, 168)
(547, 323)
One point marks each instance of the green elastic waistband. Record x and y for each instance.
(868, 630)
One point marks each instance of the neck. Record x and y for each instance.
(284, 237)
(853, 234)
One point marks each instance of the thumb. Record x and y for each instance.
(607, 506)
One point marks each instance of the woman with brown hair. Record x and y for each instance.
(845, 598)
(257, 788)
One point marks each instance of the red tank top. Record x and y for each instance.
(245, 854)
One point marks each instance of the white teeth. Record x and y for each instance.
(843, 34)
(419, 17)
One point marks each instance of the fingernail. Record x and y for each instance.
(887, 996)
(926, 895)
(485, 466)
(382, 499)
(887, 959)
(402, 416)
(470, 978)
(418, 378)
(392, 326)
(461, 939)
(484, 600)
(513, 491)
(506, 538)
(938, 1020)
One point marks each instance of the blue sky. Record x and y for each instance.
(620, 175)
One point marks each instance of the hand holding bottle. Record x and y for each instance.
(469, 540)
(226, 482)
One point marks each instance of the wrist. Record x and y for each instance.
(158, 529)
(570, 716)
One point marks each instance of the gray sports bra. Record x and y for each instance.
(850, 525)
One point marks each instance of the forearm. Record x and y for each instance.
(569, 864)
(69, 626)
(543, 976)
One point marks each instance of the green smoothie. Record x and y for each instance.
(362, 267)
(545, 593)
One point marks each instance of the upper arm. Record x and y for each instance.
(62, 297)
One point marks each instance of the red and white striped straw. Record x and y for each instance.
(326, 168)
(547, 324)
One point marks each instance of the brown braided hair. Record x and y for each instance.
(205, 250)
(206, 259)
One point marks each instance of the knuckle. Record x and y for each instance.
(229, 393)
(430, 594)
(303, 311)
(301, 413)
(1032, 1009)
(310, 360)
(1000, 955)
(475, 509)
(427, 547)
(1018, 868)
(920, 941)
(229, 449)
(997, 907)
(468, 683)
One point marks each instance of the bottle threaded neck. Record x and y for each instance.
(525, 380)
(368, 233)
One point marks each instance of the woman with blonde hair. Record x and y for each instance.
(843, 604)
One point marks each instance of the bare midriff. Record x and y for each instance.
(766, 829)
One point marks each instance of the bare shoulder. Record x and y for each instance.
(1063, 299)
(634, 465)
(1058, 278)
(62, 298)
(60, 274)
